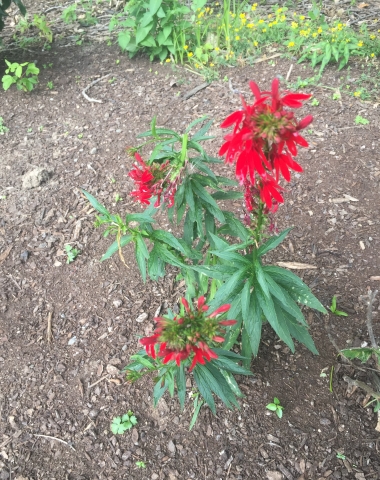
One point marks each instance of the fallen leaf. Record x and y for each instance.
(375, 278)
(363, 5)
(295, 265)
(351, 199)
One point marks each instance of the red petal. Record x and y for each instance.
(222, 309)
(227, 323)
(185, 304)
(235, 117)
(305, 122)
(255, 90)
(300, 140)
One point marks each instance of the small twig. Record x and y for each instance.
(49, 335)
(289, 72)
(371, 299)
(92, 84)
(363, 386)
(54, 438)
(98, 381)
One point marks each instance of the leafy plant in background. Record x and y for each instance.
(25, 79)
(155, 27)
(121, 424)
(219, 257)
(276, 407)
(359, 120)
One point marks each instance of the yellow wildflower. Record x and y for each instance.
(217, 49)
(186, 47)
(315, 34)
(291, 44)
(357, 94)
(294, 24)
(242, 15)
(360, 44)
(255, 43)
(264, 30)
(372, 55)
(372, 37)
(190, 54)
(167, 60)
(261, 20)
(282, 18)
(212, 65)
(250, 25)
(254, 6)
(237, 38)
(301, 17)
(320, 30)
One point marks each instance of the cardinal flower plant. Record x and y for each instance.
(230, 290)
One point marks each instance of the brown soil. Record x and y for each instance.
(56, 387)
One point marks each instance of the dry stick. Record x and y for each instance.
(363, 386)
(89, 86)
(371, 299)
(289, 72)
(48, 330)
(98, 381)
(54, 438)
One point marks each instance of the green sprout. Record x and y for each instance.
(275, 407)
(140, 464)
(120, 425)
(334, 310)
(359, 120)
(71, 253)
(314, 102)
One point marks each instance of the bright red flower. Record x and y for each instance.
(264, 141)
(153, 180)
(191, 334)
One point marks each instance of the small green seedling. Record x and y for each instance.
(117, 61)
(275, 407)
(337, 95)
(314, 102)
(341, 456)
(25, 79)
(30, 130)
(117, 197)
(3, 128)
(50, 85)
(111, 80)
(80, 135)
(140, 464)
(334, 310)
(359, 120)
(120, 425)
(71, 253)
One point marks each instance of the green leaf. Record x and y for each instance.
(300, 292)
(234, 227)
(219, 385)
(142, 33)
(31, 69)
(158, 391)
(189, 195)
(154, 5)
(124, 39)
(253, 323)
(8, 80)
(362, 353)
(221, 195)
(203, 387)
(208, 200)
(95, 204)
(230, 366)
(124, 240)
(260, 277)
(141, 253)
(197, 406)
(168, 238)
(246, 349)
(20, 6)
(230, 288)
(268, 308)
(156, 266)
(273, 242)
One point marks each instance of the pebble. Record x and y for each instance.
(325, 421)
(24, 255)
(72, 341)
(142, 317)
(171, 447)
(93, 151)
(117, 303)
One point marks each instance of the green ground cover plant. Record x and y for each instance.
(24, 78)
(231, 291)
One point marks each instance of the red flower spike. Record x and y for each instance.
(263, 143)
(191, 334)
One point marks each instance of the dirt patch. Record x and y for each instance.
(69, 386)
